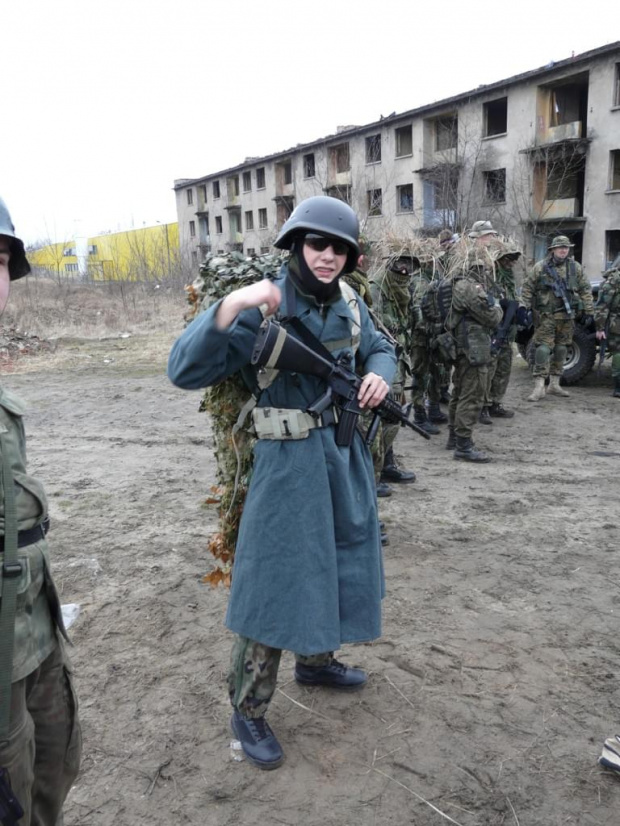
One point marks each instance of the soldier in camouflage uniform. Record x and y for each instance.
(474, 316)
(501, 363)
(427, 374)
(40, 741)
(391, 302)
(607, 317)
(556, 292)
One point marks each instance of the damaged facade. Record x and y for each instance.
(538, 154)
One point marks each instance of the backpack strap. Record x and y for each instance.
(9, 580)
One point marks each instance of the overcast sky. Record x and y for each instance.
(106, 103)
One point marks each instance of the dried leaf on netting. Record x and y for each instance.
(219, 276)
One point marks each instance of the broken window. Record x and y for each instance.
(260, 177)
(404, 198)
(496, 117)
(342, 193)
(192, 229)
(495, 186)
(446, 133)
(216, 190)
(565, 104)
(203, 192)
(249, 220)
(340, 157)
(218, 224)
(614, 182)
(247, 181)
(612, 247)
(374, 199)
(250, 251)
(262, 219)
(562, 182)
(404, 141)
(309, 167)
(287, 171)
(264, 250)
(617, 86)
(373, 149)
(190, 197)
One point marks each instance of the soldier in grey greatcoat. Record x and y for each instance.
(308, 573)
(40, 740)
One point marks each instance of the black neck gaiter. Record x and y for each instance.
(306, 282)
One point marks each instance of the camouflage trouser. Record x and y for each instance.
(390, 431)
(499, 374)
(551, 337)
(44, 746)
(613, 346)
(254, 671)
(427, 375)
(468, 394)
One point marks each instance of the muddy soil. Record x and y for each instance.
(497, 676)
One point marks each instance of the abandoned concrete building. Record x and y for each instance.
(537, 154)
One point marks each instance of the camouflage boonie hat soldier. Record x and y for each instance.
(560, 241)
(481, 228)
(507, 250)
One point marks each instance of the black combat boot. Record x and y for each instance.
(258, 742)
(392, 473)
(498, 411)
(616, 393)
(451, 444)
(466, 450)
(445, 395)
(435, 413)
(419, 418)
(484, 417)
(384, 490)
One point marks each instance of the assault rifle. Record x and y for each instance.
(276, 348)
(10, 810)
(500, 335)
(559, 288)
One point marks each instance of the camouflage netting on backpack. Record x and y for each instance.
(219, 276)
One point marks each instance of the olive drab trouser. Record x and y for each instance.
(552, 336)
(499, 374)
(44, 743)
(253, 674)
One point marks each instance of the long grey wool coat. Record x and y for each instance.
(308, 572)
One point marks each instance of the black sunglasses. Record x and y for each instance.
(319, 244)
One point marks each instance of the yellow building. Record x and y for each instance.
(133, 255)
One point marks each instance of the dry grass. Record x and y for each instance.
(93, 325)
(67, 309)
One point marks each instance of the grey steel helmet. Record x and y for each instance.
(18, 263)
(325, 216)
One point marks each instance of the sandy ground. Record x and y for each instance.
(490, 692)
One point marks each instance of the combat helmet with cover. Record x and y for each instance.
(18, 263)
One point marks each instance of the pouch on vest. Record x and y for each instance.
(478, 347)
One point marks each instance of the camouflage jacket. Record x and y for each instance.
(360, 283)
(38, 606)
(390, 301)
(474, 316)
(607, 309)
(538, 295)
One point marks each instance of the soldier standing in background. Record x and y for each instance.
(557, 293)
(501, 363)
(607, 317)
(391, 302)
(474, 316)
(40, 739)
(425, 371)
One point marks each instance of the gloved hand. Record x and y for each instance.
(524, 317)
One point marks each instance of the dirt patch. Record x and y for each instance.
(491, 690)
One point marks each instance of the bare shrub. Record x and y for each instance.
(59, 308)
